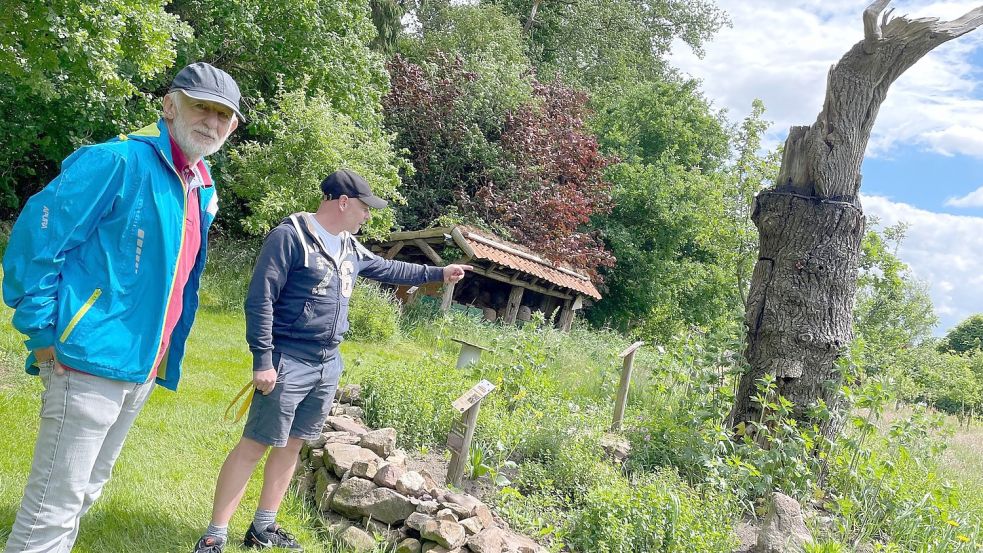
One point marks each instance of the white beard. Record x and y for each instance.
(193, 144)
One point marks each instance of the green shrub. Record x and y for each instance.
(73, 73)
(415, 399)
(885, 487)
(226, 277)
(308, 140)
(541, 514)
(373, 314)
(570, 472)
(654, 513)
(683, 404)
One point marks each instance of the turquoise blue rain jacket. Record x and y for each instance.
(92, 259)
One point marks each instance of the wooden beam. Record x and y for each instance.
(507, 280)
(462, 243)
(425, 248)
(566, 316)
(512, 307)
(426, 233)
(448, 298)
(551, 308)
(391, 252)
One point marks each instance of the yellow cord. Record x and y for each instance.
(245, 404)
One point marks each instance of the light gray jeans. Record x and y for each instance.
(84, 421)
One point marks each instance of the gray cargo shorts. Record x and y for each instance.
(299, 403)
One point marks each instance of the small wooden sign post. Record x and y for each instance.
(619, 406)
(459, 439)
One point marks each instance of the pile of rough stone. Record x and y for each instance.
(359, 482)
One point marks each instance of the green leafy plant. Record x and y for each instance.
(373, 314)
(480, 465)
(656, 512)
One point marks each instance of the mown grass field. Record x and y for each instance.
(159, 499)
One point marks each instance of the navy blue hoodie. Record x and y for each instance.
(298, 297)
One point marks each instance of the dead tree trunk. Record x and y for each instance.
(800, 305)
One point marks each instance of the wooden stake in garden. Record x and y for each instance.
(459, 439)
(619, 406)
(800, 305)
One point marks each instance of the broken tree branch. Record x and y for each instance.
(872, 31)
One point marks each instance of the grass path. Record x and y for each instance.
(159, 499)
(963, 464)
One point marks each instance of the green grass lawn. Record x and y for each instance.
(159, 498)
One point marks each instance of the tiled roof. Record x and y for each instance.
(510, 255)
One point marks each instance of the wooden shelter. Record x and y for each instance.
(509, 282)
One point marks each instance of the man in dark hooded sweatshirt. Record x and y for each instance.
(296, 316)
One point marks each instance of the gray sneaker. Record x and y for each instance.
(209, 545)
(274, 536)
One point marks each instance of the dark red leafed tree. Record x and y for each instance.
(557, 180)
(533, 173)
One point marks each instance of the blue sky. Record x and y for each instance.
(925, 179)
(924, 164)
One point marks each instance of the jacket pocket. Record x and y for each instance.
(306, 315)
(79, 314)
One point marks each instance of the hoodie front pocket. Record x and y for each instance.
(79, 314)
(306, 314)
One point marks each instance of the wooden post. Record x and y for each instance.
(512, 307)
(459, 440)
(549, 311)
(619, 405)
(448, 297)
(566, 316)
(455, 470)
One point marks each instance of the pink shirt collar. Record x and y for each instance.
(183, 167)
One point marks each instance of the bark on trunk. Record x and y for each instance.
(800, 307)
(801, 300)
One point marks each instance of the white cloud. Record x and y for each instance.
(942, 250)
(781, 50)
(973, 199)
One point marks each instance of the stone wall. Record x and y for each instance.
(358, 481)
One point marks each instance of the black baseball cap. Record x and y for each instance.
(203, 81)
(348, 183)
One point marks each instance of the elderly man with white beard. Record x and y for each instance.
(102, 270)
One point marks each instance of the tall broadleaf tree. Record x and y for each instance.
(277, 50)
(668, 227)
(965, 336)
(893, 312)
(599, 44)
(74, 72)
(751, 172)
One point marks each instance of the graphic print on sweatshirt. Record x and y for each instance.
(345, 273)
(321, 288)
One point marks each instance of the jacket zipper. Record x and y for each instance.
(79, 314)
(337, 272)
